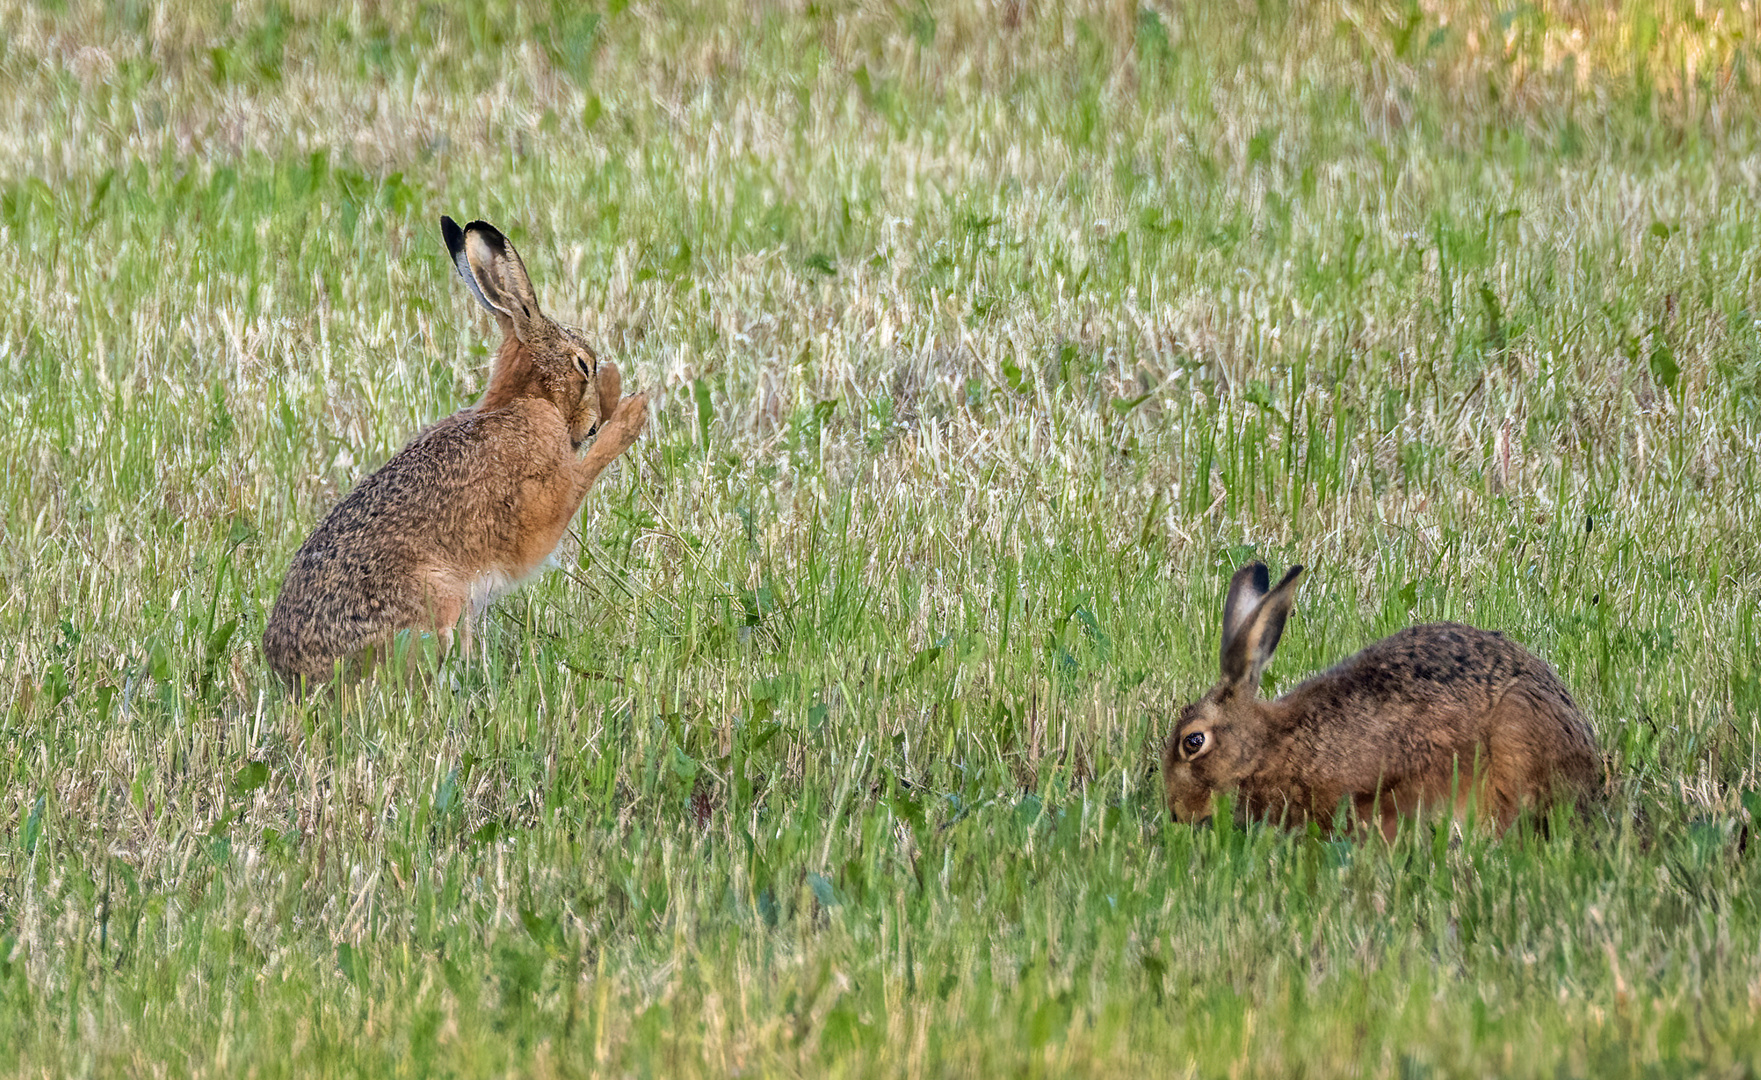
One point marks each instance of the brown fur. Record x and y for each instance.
(470, 506)
(1431, 715)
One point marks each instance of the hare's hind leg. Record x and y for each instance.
(1520, 771)
(452, 622)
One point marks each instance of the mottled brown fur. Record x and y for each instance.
(470, 506)
(1433, 715)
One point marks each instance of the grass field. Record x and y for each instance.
(985, 339)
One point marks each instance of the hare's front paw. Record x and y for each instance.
(628, 421)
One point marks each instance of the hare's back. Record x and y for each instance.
(1435, 669)
(455, 477)
(407, 498)
(1409, 708)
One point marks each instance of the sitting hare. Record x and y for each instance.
(1435, 712)
(470, 506)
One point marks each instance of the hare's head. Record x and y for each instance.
(541, 357)
(1222, 737)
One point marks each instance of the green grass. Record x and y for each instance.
(985, 340)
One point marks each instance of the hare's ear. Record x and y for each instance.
(493, 270)
(1247, 652)
(455, 247)
(1245, 590)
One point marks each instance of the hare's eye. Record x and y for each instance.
(583, 365)
(1193, 743)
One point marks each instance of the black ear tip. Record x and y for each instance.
(451, 233)
(1261, 576)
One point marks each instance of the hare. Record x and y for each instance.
(472, 505)
(1434, 713)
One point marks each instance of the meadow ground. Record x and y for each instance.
(985, 339)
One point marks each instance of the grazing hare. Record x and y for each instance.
(470, 506)
(1434, 713)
